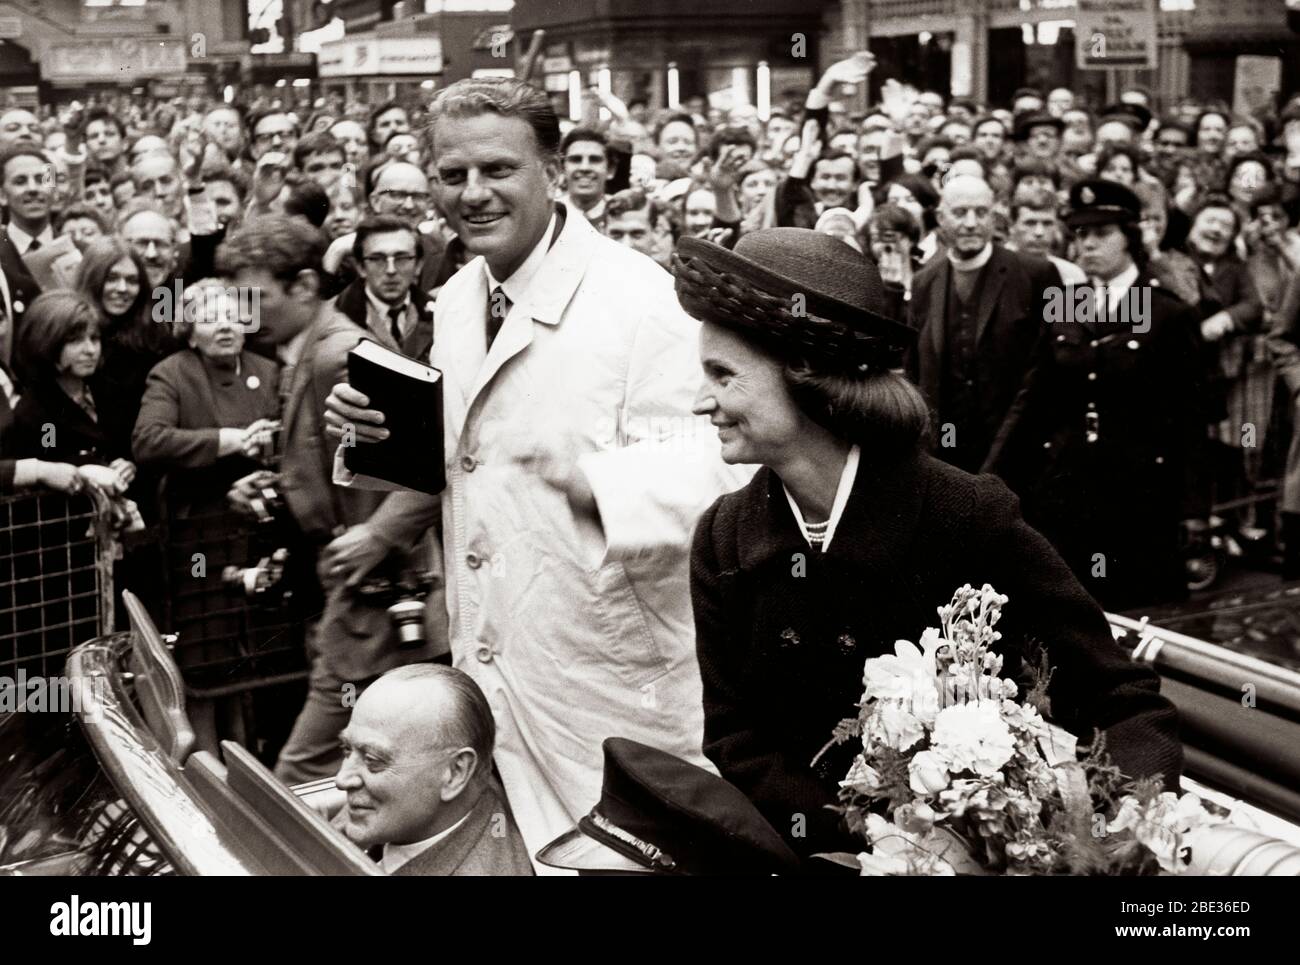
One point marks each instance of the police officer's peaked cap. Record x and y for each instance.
(660, 814)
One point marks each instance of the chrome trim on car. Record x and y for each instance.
(149, 781)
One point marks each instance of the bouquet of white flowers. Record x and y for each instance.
(958, 776)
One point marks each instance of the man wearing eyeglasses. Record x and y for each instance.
(401, 190)
(272, 130)
(385, 298)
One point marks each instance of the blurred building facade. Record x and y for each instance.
(667, 51)
(53, 50)
(392, 48)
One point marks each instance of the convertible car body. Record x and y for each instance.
(118, 785)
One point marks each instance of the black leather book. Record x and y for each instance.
(409, 394)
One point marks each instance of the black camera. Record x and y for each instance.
(263, 582)
(269, 506)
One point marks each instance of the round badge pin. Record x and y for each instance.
(253, 382)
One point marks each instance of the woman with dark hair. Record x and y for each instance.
(386, 120)
(915, 195)
(1209, 135)
(113, 278)
(58, 417)
(850, 536)
(1102, 445)
(894, 234)
(1241, 375)
(1119, 163)
(1248, 174)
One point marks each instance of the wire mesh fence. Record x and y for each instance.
(226, 641)
(56, 579)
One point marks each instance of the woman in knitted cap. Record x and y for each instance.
(850, 536)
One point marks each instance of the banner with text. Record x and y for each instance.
(1116, 33)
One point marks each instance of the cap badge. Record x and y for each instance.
(652, 855)
(1087, 196)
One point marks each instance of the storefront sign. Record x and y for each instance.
(1115, 33)
(1255, 83)
(421, 55)
(593, 58)
(121, 58)
(383, 57)
(24, 96)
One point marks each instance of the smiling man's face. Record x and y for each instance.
(396, 772)
(585, 170)
(495, 186)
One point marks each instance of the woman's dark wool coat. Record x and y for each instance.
(782, 632)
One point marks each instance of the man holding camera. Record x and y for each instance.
(354, 640)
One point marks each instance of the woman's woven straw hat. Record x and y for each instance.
(803, 294)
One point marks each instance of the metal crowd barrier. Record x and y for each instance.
(56, 579)
(226, 644)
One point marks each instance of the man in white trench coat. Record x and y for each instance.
(575, 470)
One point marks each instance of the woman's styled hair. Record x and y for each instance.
(372, 122)
(199, 298)
(96, 262)
(893, 217)
(1137, 249)
(53, 319)
(880, 411)
(1196, 127)
(1112, 151)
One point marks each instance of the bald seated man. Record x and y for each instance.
(417, 772)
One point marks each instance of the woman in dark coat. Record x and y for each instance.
(114, 278)
(208, 411)
(1104, 445)
(850, 537)
(57, 419)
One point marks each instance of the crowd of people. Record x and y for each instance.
(1092, 303)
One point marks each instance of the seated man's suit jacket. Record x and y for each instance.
(488, 843)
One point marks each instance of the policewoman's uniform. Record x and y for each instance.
(1103, 443)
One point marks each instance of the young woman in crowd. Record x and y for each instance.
(112, 278)
(58, 418)
(1240, 372)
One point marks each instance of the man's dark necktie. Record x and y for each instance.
(395, 315)
(34, 246)
(498, 307)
